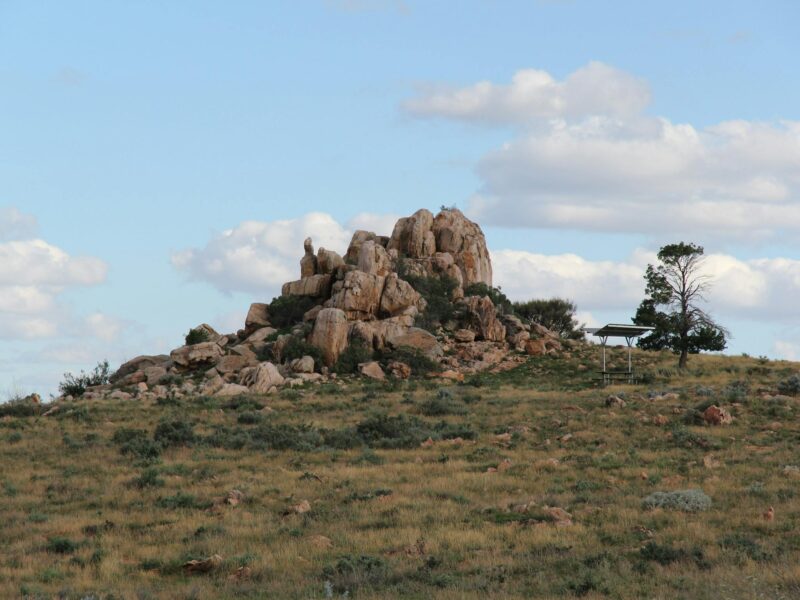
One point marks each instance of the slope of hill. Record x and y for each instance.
(527, 483)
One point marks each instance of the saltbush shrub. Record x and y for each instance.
(285, 311)
(355, 353)
(175, 432)
(297, 347)
(790, 386)
(75, 385)
(416, 359)
(684, 500)
(196, 336)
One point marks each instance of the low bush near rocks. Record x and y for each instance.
(418, 361)
(442, 404)
(355, 354)
(196, 336)
(285, 311)
(790, 386)
(76, 385)
(683, 500)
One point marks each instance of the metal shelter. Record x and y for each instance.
(629, 332)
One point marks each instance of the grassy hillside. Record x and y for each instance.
(343, 494)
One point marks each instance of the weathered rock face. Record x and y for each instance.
(464, 240)
(316, 286)
(360, 295)
(398, 296)
(373, 259)
(211, 334)
(484, 319)
(330, 334)
(328, 261)
(308, 264)
(413, 236)
(196, 355)
(139, 363)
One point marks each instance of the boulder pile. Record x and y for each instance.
(368, 298)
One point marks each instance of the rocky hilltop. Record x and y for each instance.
(366, 304)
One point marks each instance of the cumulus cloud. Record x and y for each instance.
(33, 274)
(534, 94)
(15, 224)
(259, 256)
(586, 156)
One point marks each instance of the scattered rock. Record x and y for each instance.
(303, 365)
(660, 420)
(196, 355)
(320, 541)
(205, 565)
(300, 508)
(262, 378)
(714, 415)
(398, 369)
(451, 375)
(615, 401)
(769, 515)
(234, 497)
(372, 370)
(464, 336)
(418, 339)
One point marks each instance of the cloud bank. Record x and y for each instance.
(585, 155)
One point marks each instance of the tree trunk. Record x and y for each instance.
(683, 359)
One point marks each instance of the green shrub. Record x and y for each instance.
(350, 572)
(61, 545)
(285, 311)
(557, 314)
(137, 443)
(743, 546)
(297, 347)
(75, 385)
(182, 500)
(286, 437)
(356, 353)
(683, 500)
(437, 292)
(196, 336)
(790, 386)
(176, 432)
(496, 295)
(20, 407)
(148, 478)
(441, 404)
(416, 359)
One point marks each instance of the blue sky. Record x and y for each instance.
(135, 134)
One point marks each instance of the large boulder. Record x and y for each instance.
(140, 363)
(412, 236)
(398, 296)
(233, 363)
(257, 317)
(482, 317)
(330, 334)
(464, 240)
(196, 355)
(354, 249)
(316, 286)
(328, 261)
(261, 378)
(359, 296)
(374, 259)
(418, 339)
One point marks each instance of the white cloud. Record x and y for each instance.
(33, 275)
(762, 289)
(534, 94)
(14, 224)
(585, 156)
(104, 327)
(259, 256)
(380, 224)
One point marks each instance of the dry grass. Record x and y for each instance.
(82, 518)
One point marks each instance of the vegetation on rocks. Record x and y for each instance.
(75, 385)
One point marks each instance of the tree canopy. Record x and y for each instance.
(674, 289)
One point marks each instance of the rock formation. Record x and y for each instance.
(365, 298)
